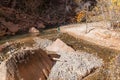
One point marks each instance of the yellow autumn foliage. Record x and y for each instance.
(107, 6)
(116, 3)
(80, 16)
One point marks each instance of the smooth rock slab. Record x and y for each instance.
(74, 66)
(59, 46)
(96, 34)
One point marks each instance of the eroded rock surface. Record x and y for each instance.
(115, 69)
(74, 66)
(42, 43)
(26, 64)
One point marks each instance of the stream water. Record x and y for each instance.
(104, 53)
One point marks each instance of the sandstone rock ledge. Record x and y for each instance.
(96, 34)
(26, 65)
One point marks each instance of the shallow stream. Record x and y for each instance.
(104, 53)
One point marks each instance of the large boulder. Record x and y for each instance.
(26, 64)
(74, 66)
(33, 30)
(59, 46)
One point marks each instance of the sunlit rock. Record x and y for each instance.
(74, 66)
(59, 46)
(33, 30)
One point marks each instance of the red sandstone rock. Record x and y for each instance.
(40, 25)
(1, 48)
(12, 27)
(33, 30)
